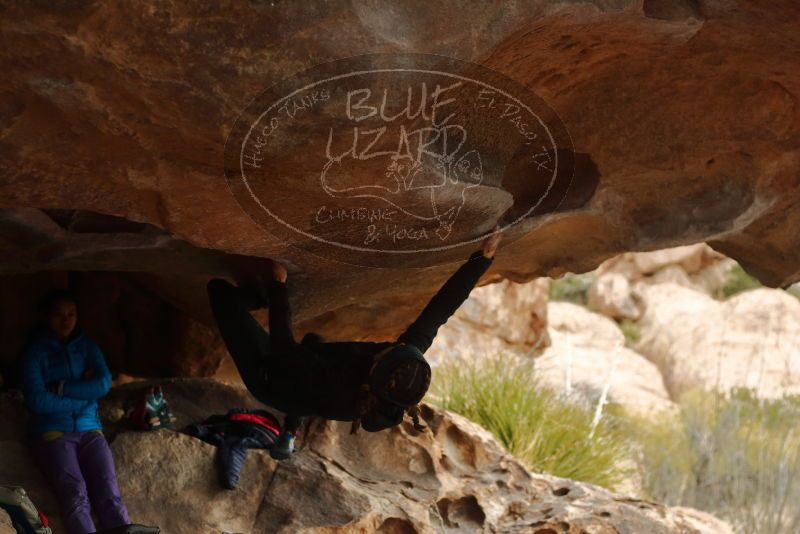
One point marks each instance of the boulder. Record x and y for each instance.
(115, 119)
(579, 327)
(6, 527)
(711, 279)
(516, 313)
(455, 477)
(170, 480)
(499, 318)
(577, 351)
(637, 265)
(611, 295)
(575, 366)
(671, 274)
(695, 266)
(747, 341)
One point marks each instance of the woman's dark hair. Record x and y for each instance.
(54, 297)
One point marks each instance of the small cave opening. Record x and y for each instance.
(140, 292)
(140, 332)
(90, 222)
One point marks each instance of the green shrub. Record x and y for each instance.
(631, 332)
(572, 288)
(545, 432)
(794, 290)
(734, 456)
(737, 281)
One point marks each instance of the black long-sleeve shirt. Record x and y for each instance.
(323, 379)
(445, 302)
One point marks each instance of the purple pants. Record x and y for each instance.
(80, 468)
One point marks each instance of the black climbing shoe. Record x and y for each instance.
(284, 447)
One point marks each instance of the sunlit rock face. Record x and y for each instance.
(695, 266)
(747, 341)
(576, 352)
(682, 122)
(588, 361)
(497, 320)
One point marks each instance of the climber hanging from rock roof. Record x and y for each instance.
(372, 384)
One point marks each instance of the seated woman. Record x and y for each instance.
(371, 384)
(63, 374)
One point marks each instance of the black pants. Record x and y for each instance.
(250, 346)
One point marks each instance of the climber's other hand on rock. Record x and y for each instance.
(279, 272)
(490, 243)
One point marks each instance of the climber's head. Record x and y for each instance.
(398, 380)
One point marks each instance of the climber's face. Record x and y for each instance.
(383, 415)
(62, 317)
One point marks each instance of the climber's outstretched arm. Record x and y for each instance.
(452, 294)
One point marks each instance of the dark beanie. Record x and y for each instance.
(406, 364)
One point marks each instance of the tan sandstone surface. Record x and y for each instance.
(576, 352)
(454, 478)
(588, 358)
(682, 114)
(684, 127)
(748, 341)
(5, 524)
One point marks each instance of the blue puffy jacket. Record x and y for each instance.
(49, 360)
